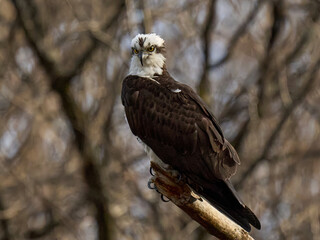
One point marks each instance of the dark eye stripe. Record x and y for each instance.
(160, 50)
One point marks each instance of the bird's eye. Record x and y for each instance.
(151, 49)
(135, 51)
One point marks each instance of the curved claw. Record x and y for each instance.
(151, 171)
(150, 186)
(163, 199)
(179, 177)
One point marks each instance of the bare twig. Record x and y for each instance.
(47, 228)
(147, 19)
(156, 215)
(60, 84)
(4, 223)
(204, 84)
(32, 189)
(286, 114)
(238, 34)
(290, 108)
(265, 71)
(197, 208)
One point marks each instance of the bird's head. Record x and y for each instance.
(147, 55)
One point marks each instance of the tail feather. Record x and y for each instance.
(226, 201)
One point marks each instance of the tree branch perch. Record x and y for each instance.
(216, 223)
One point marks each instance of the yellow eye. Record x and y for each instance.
(135, 51)
(151, 49)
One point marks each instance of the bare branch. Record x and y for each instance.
(48, 227)
(238, 34)
(147, 20)
(4, 223)
(286, 114)
(60, 79)
(204, 84)
(277, 12)
(196, 207)
(60, 84)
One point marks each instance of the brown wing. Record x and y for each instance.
(177, 126)
(226, 158)
(183, 133)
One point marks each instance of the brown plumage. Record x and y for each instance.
(173, 121)
(183, 133)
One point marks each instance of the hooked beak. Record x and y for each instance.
(140, 57)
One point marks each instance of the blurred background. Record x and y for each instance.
(70, 167)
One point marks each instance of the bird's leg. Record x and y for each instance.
(180, 178)
(174, 173)
(152, 186)
(159, 170)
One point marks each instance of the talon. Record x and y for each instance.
(163, 198)
(150, 186)
(179, 177)
(151, 171)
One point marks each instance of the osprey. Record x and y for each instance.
(179, 130)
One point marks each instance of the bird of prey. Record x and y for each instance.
(178, 129)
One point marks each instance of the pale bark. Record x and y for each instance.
(196, 207)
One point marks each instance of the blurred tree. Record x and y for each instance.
(70, 168)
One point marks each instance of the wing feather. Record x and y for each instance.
(183, 133)
(179, 120)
